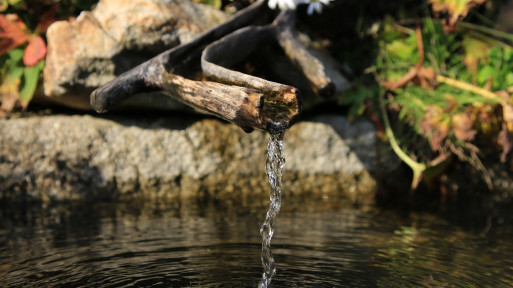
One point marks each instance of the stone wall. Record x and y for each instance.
(61, 157)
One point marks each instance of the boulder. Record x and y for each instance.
(117, 35)
(58, 157)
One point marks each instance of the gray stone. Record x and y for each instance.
(60, 157)
(116, 36)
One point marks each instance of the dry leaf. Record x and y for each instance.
(505, 136)
(453, 10)
(9, 94)
(507, 107)
(426, 77)
(462, 126)
(453, 104)
(435, 126)
(475, 51)
(505, 140)
(439, 159)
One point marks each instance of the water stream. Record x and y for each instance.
(274, 168)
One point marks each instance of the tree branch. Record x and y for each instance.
(247, 101)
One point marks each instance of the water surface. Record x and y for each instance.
(215, 245)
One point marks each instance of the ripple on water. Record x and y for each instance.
(340, 248)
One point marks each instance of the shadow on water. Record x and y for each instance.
(213, 244)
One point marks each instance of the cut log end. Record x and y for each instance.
(98, 103)
(281, 109)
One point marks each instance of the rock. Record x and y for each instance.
(46, 158)
(116, 36)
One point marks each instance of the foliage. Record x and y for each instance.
(23, 25)
(453, 10)
(214, 3)
(21, 68)
(450, 81)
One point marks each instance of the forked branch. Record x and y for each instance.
(247, 101)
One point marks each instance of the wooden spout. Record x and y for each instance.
(245, 100)
(281, 103)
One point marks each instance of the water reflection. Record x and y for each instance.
(212, 245)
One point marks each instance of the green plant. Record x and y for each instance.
(23, 47)
(214, 3)
(445, 81)
(21, 67)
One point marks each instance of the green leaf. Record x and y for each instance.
(476, 50)
(390, 34)
(216, 3)
(401, 49)
(28, 87)
(15, 56)
(484, 74)
(15, 72)
(356, 98)
(13, 75)
(509, 80)
(3, 5)
(508, 54)
(15, 3)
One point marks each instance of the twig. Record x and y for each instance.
(414, 71)
(469, 87)
(486, 30)
(417, 168)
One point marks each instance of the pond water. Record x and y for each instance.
(320, 243)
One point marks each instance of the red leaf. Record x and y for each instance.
(12, 32)
(35, 51)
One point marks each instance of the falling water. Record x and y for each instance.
(274, 169)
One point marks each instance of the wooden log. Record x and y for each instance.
(179, 60)
(240, 105)
(244, 105)
(312, 67)
(139, 79)
(282, 103)
(247, 101)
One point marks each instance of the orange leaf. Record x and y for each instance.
(35, 51)
(12, 32)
